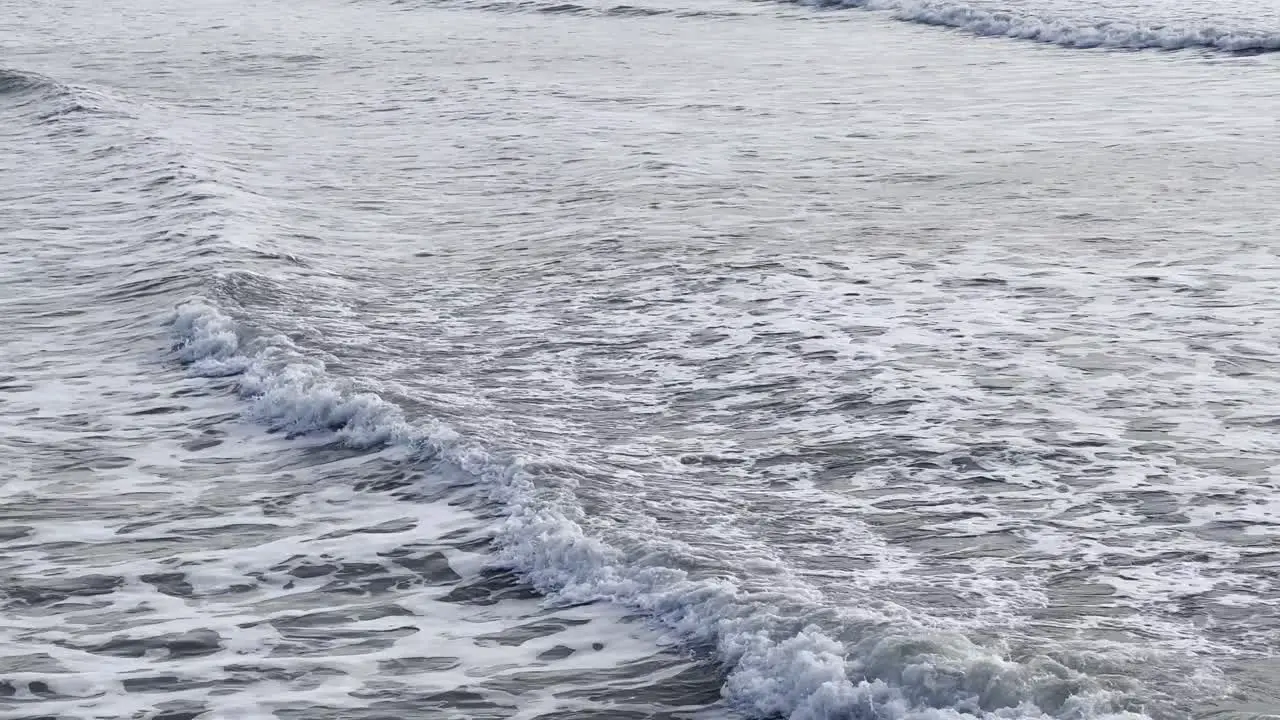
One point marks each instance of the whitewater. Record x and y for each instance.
(704, 360)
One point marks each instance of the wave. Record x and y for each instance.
(139, 213)
(785, 650)
(981, 21)
(1062, 32)
(16, 81)
(46, 100)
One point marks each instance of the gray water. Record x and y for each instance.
(696, 359)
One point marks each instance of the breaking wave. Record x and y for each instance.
(786, 651)
(1063, 32)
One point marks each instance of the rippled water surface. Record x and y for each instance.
(698, 359)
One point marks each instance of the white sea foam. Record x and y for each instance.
(787, 653)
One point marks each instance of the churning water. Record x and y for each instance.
(696, 359)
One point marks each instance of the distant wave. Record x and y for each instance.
(986, 22)
(44, 99)
(24, 90)
(787, 652)
(1066, 33)
(15, 81)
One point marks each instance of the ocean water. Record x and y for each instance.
(684, 359)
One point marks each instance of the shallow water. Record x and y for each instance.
(711, 360)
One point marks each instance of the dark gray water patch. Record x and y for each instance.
(839, 470)
(707, 337)
(331, 641)
(172, 584)
(912, 178)
(492, 587)
(698, 684)
(11, 384)
(1237, 532)
(366, 579)
(432, 567)
(37, 688)
(150, 287)
(388, 527)
(141, 525)
(971, 546)
(170, 683)
(55, 591)
(558, 8)
(612, 714)
(392, 480)
(963, 463)
(1118, 560)
(1263, 563)
(975, 282)
(382, 711)
(346, 578)
(192, 644)
(905, 527)
(336, 618)
(399, 704)
(595, 684)
(417, 665)
(1157, 505)
(210, 424)
(34, 663)
(416, 484)
(178, 713)
(160, 410)
(635, 11)
(529, 631)
(820, 356)
(94, 460)
(14, 532)
(308, 570)
(1073, 592)
(248, 674)
(156, 683)
(710, 459)
(461, 700)
(201, 443)
(863, 406)
(244, 533)
(466, 540)
(314, 457)
(783, 459)
(279, 505)
(559, 652)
